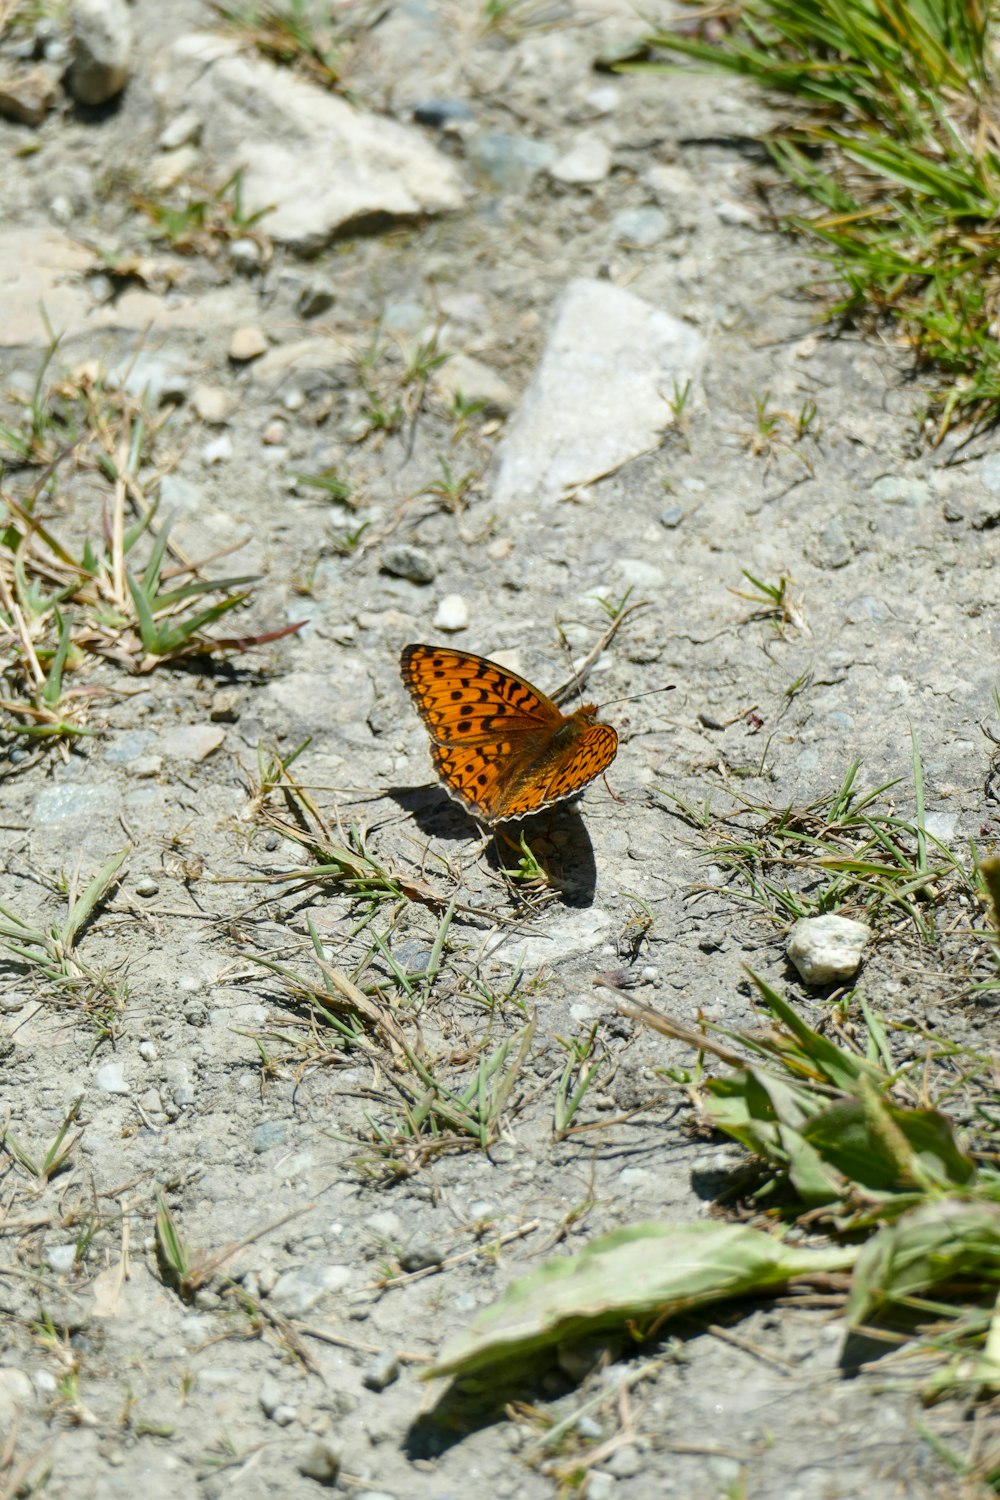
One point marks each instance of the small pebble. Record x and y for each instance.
(213, 404)
(148, 1051)
(625, 1462)
(147, 886)
(382, 1372)
(452, 613)
(193, 742)
(640, 228)
(320, 1461)
(246, 256)
(60, 1258)
(274, 433)
(297, 1291)
(247, 344)
(268, 1134)
(225, 707)
(183, 130)
(110, 1078)
(672, 516)
(405, 561)
(316, 297)
(270, 1395)
(421, 1255)
(218, 451)
(588, 161)
(146, 766)
(827, 950)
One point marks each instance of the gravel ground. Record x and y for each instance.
(644, 402)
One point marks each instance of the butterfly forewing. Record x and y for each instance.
(465, 699)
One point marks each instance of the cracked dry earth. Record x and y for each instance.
(605, 277)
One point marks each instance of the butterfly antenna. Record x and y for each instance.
(633, 696)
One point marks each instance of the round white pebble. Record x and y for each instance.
(452, 613)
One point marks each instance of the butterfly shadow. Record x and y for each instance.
(556, 837)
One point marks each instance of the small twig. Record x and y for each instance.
(570, 688)
(453, 1260)
(405, 1356)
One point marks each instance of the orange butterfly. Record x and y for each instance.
(500, 746)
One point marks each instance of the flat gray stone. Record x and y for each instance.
(71, 804)
(609, 352)
(312, 163)
(298, 1291)
(192, 742)
(110, 1078)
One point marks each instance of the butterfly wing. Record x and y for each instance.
(476, 775)
(587, 756)
(466, 700)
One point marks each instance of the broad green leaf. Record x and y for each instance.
(645, 1271)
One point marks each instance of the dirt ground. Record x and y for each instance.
(356, 1248)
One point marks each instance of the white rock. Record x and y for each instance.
(110, 1078)
(609, 352)
(603, 99)
(172, 167)
(588, 161)
(218, 451)
(184, 130)
(246, 344)
(298, 1290)
(191, 741)
(640, 573)
(60, 1258)
(452, 613)
(316, 165)
(102, 47)
(213, 404)
(668, 182)
(827, 950)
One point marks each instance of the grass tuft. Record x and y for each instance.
(896, 139)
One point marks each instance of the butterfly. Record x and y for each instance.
(501, 747)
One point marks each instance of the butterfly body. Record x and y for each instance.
(499, 745)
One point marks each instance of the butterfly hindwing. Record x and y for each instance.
(591, 754)
(473, 774)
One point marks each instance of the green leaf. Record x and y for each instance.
(941, 1240)
(646, 1271)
